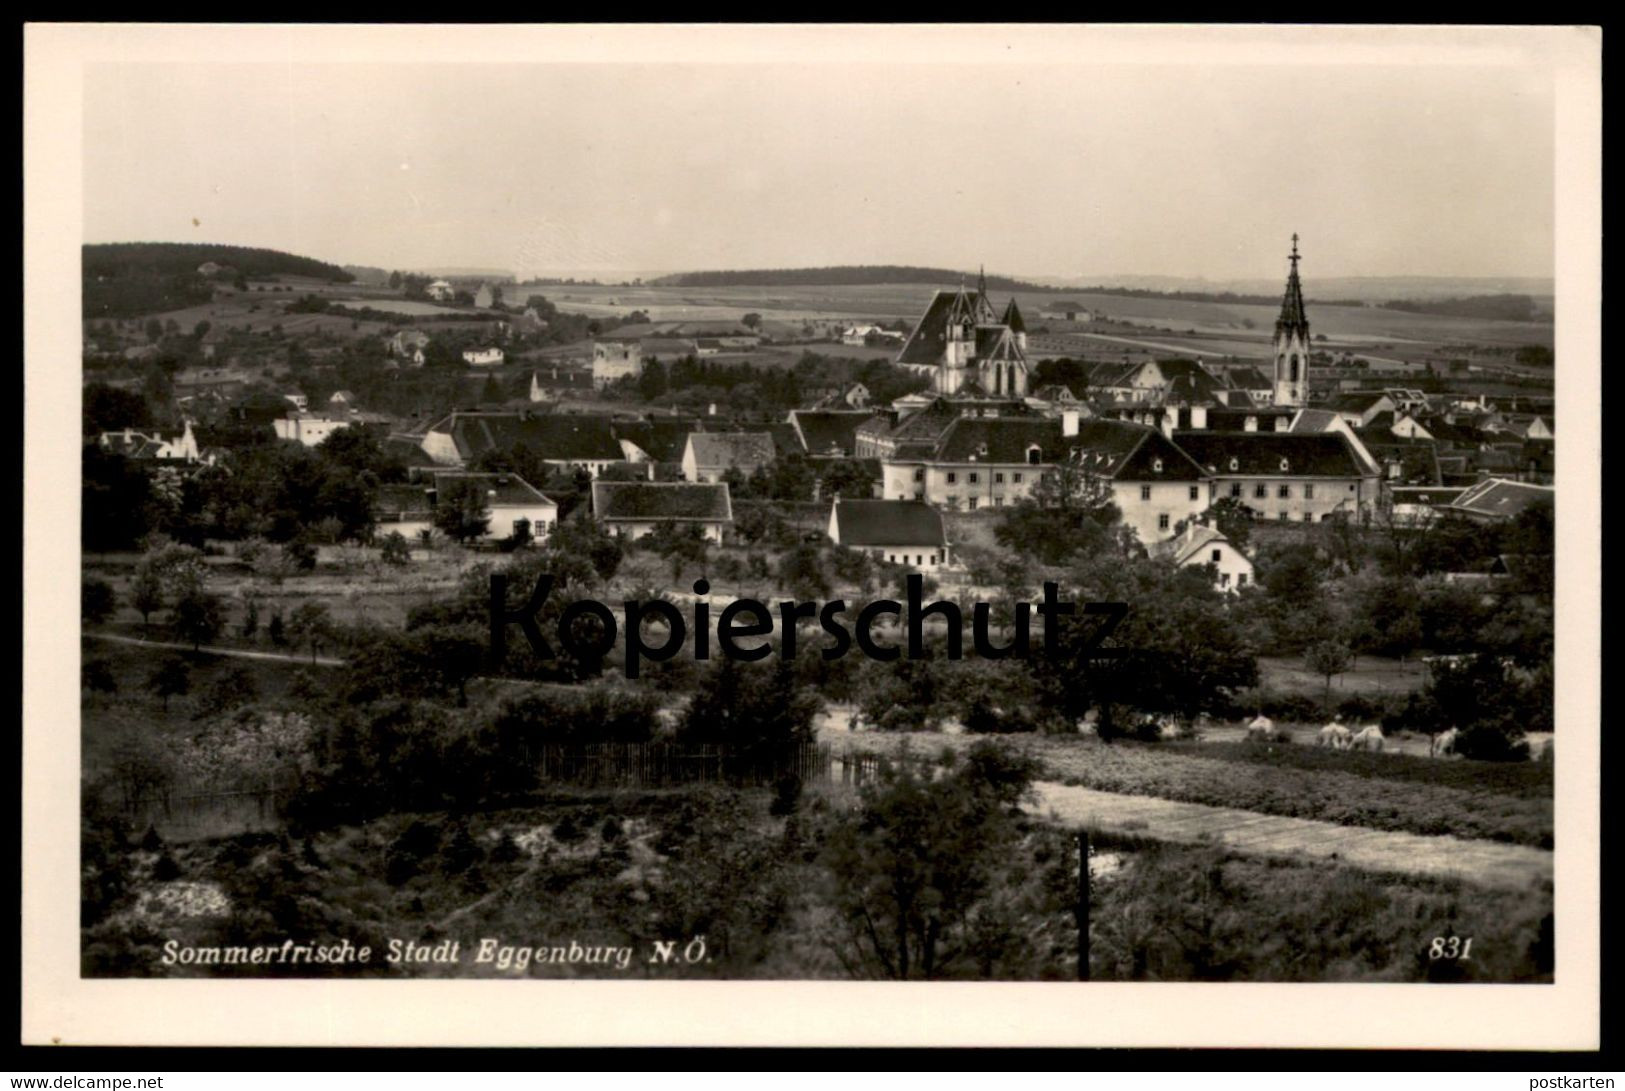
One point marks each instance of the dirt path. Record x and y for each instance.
(233, 653)
(1485, 863)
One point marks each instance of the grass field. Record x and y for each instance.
(1500, 802)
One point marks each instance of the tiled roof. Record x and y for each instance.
(661, 438)
(925, 345)
(554, 437)
(1108, 448)
(888, 522)
(828, 431)
(1183, 547)
(1262, 454)
(636, 501)
(1249, 378)
(729, 450)
(1012, 317)
(502, 490)
(1501, 498)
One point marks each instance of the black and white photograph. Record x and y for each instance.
(961, 504)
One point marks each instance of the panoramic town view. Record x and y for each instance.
(721, 600)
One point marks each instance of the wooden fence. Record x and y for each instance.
(658, 765)
(209, 814)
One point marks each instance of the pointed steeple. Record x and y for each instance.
(1012, 318)
(1292, 341)
(1293, 319)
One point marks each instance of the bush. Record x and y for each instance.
(786, 795)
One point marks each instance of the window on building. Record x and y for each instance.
(970, 503)
(1162, 521)
(1033, 456)
(1260, 491)
(1235, 489)
(998, 478)
(952, 477)
(1156, 465)
(1285, 516)
(974, 477)
(1015, 478)
(1145, 492)
(1308, 492)
(1215, 556)
(919, 473)
(1196, 492)
(1241, 579)
(1284, 492)
(1235, 464)
(1309, 517)
(953, 501)
(1224, 579)
(998, 501)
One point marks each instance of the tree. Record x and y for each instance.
(803, 572)
(310, 624)
(1069, 511)
(680, 545)
(1328, 658)
(197, 616)
(394, 550)
(752, 321)
(171, 678)
(233, 689)
(147, 592)
(586, 539)
(395, 279)
(96, 601)
(96, 676)
(755, 709)
(1231, 518)
(461, 512)
(919, 869)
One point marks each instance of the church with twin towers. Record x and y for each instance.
(970, 350)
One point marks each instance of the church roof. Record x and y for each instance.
(1012, 317)
(1293, 319)
(925, 345)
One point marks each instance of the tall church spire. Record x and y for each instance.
(1292, 340)
(1292, 317)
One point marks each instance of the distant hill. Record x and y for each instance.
(1366, 289)
(841, 274)
(368, 274)
(126, 279)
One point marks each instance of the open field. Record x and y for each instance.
(1474, 800)
(1343, 326)
(1482, 863)
(1371, 675)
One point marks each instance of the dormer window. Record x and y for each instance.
(1285, 465)
(1235, 464)
(1156, 465)
(1034, 455)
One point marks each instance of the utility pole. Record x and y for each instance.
(1083, 905)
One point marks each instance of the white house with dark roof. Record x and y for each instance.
(707, 456)
(410, 509)
(1285, 476)
(440, 290)
(632, 509)
(1203, 545)
(486, 357)
(900, 531)
(976, 463)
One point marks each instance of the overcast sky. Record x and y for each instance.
(1045, 168)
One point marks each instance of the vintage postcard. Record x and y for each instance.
(727, 535)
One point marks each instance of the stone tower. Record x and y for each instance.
(1292, 342)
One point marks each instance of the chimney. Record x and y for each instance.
(1069, 422)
